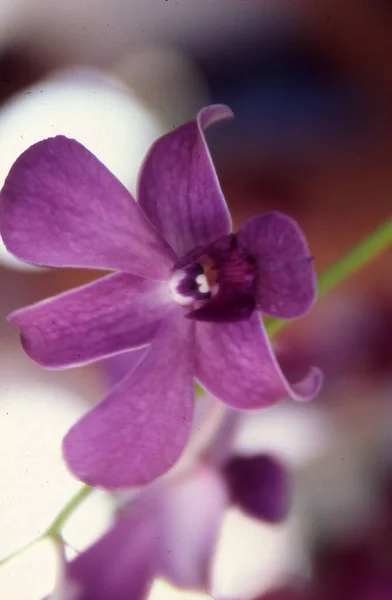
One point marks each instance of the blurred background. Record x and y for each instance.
(310, 84)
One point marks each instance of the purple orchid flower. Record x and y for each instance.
(118, 566)
(164, 532)
(169, 531)
(184, 287)
(172, 527)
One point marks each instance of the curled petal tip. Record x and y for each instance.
(309, 387)
(236, 363)
(215, 112)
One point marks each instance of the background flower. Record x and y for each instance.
(171, 528)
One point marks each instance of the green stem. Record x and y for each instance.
(54, 530)
(3, 561)
(365, 251)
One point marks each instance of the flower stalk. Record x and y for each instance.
(55, 529)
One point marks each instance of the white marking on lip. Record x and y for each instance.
(173, 283)
(202, 283)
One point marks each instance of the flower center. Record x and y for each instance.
(216, 282)
(191, 284)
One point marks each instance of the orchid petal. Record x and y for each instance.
(286, 286)
(260, 485)
(140, 429)
(120, 565)
(178, 187)
(115, 313)
(192, 513)
(235, 362)
(62, 207)
(115, 368)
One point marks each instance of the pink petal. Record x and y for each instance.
(140, 429)
(192, 513)
(115, 368)
(120, 565)
(286, 278)
(108, 316)
(178, 187)
(62, 207)
(235, 362)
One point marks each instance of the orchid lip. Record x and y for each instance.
(221, 279)
(190, 285)
(173, 285)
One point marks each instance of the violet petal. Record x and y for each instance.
(115, 368)
(260, 485)
(115, 313)
(60, 206)
(178, 188)
(286, 285)
(140, 429)
(193, 508)
(121, 564)
(236, 363)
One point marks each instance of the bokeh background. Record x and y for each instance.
(311, 87)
